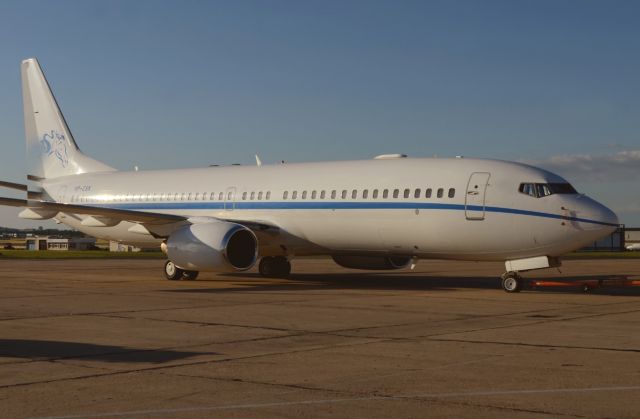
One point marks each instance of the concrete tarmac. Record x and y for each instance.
(112, 338)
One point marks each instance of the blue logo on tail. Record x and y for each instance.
(55, 144)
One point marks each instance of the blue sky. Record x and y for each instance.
(164, 84)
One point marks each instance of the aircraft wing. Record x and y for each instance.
(120, 214)
(149, 219)
(13, 185)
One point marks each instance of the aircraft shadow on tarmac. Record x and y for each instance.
(56, 350)
(251, 282)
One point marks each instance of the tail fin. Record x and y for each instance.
(51, 150)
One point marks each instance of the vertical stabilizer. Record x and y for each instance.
(51, 150)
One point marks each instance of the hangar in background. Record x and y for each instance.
(60, 243)
(616, 241)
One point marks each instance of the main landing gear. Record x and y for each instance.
(173, 273)
(274, 267)
(512, 282)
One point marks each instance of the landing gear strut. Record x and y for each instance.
(274, 267)
(512, 282)
(173, 273)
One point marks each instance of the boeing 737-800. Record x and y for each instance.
(383, 213)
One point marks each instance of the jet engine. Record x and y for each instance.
(372, 262)
(217, 246)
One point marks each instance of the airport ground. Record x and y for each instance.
(111, 338)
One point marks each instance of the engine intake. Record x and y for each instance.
(217, 246)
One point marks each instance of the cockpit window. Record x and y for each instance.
(528, 189)
(540, 190)
(562, 188)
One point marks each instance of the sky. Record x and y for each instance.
(168, 84)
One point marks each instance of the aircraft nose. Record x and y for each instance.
(605, 218)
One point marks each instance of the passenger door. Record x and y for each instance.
(474, 207)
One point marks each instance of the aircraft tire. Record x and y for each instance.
(274, 267)
(283, 267)
(511, 282)
(172, 272)
(190, 275)
(266, 267)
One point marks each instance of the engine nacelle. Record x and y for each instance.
(372, 262)
(217, 246)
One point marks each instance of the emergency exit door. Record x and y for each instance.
(474, 207)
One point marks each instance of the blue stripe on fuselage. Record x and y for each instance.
(291, 205)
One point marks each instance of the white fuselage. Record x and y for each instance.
(479, 215)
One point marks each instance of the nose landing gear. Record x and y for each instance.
(512, 282)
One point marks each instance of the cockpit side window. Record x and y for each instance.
(543, 190)
(540, 190)
(528, 189)
(562, 188)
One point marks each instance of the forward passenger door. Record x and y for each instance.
(474, 206)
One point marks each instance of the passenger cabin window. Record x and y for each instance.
(294, 194)
(268, 195)
(375, 194)
(285, 194)
(416, 193)
(322, 194)
(452, 192)
(304, 194)
(440, 192)
(260, 196)
(396, 193)
(344, 194)
(427, 194)
(313, 194)
(333, 194)
(406, 194)
(385, 193)
(354, 194)
(365, 194)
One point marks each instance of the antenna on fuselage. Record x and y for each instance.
(258, 161)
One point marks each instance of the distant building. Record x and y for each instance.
(617, 240)
(56, 243)
(115, 246)
(632, 235)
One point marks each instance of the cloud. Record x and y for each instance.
(623, 165)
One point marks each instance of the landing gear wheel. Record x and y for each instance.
(265, 267)
(283, 267)
(274, 267)
(190, 275)
(172, 272)
(511, 282)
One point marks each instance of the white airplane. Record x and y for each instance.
(633, 246)
(384, 213)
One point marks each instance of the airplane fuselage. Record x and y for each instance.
(467, 209)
